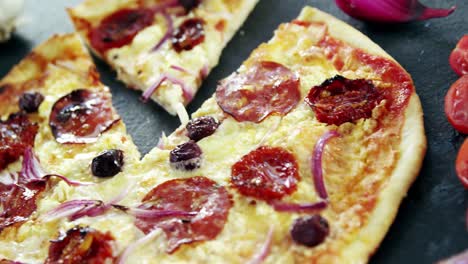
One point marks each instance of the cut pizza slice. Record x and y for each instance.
(164, 48)
(57, 123)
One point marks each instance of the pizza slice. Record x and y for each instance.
(57, 123)
(163, 48)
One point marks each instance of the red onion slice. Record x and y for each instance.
(156, 214)
(264, 251)
(129, 250)
(76, 209)
(316, 161)
(302, 208)
(169, 31)
(32, 171)
(186, 91)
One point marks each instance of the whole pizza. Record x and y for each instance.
(302, 155)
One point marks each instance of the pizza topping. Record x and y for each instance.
(186, 156)
(7, 261)
(456, 105)
(137, 244)
(201, 127)
(169, 31)
(19, 202)
(119, 28)
(108, 163)
(32, 171)
(310, 231)
(188, 35)
(189, 4)
(316, 161)
(339, 100)
(197, 194)
(76, 209)
(395, 11)
(264, 251)
(267, 173)
(462, 164)
(295, 207)
(82, 245)
(459, 57)
(187, 92)
(265, 88)
(81, 116)
(16, 134)
(30, 101)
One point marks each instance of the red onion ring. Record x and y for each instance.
(264, 251)
(169, 31)
(295, 207)
(316, 161)
(186, 91)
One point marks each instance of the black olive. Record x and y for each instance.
(201, 127)
(30, 101)
(108, 163)
(189, 4)
(310, 231)
(186, 156)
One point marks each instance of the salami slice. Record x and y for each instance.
(19, 202)
(267, 173)
(119, 28)
(265, 88)
(199, 194)
(16, 134)
(82, 245)
(81, 116)
(339, 100)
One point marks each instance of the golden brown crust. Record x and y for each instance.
(30, 73)
(412, 149)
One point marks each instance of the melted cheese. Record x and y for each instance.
(140, 68)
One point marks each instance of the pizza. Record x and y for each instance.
(302, 155)
(164, 48)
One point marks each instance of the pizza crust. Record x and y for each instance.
(412, 148)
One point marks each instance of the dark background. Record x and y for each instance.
(431, 222)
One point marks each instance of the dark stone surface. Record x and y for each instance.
(431, 222)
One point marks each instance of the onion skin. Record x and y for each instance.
(390, 11)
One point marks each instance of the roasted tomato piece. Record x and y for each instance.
(265, 88)
(188, 35)
(16, 134)
(456, 105)
(18, 202)
(459, 57)
(81, 116)
(210, 201)
(81, 245)
(119, 28)
(339, 100)
(267, 173)
(462, 164)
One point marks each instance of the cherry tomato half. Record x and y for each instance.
(461, 165)
(459, 57)
(456, 105)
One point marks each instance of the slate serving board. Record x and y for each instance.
(431, 222)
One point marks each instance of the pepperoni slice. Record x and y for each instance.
(339, 100)
(82, 245)
(267, 173)
(16, 134)
(198, 194)
(459, 57)
(266, 88)
(81, 116)
(188, 35)
(119, 28)
(19, 202)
